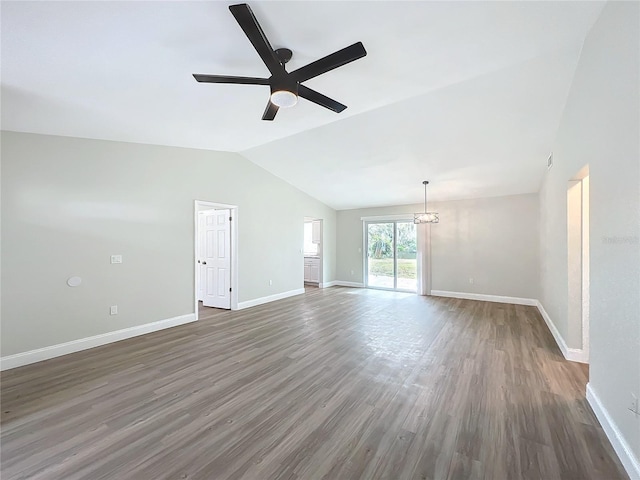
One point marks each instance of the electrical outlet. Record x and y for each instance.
(471, 280)
(270, 282)
(351, 272)
(114, 310)
(116, 258)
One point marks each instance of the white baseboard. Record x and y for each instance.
(619, 444)
(33, 356)
(327, 284)
(485, 298)
(340, 283)
(270, 298)
(571, 354)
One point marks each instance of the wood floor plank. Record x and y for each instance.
(334, 384)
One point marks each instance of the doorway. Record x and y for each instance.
(312, 251)
(391, 255)
(215, 255)
(578, 263)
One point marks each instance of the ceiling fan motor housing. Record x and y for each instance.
(286, 83)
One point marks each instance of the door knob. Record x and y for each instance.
(204, 263)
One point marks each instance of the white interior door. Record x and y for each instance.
(217, 259)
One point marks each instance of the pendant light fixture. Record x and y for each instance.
(426, 217)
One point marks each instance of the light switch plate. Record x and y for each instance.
(116, 258)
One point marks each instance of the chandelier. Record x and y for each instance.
(426, 217)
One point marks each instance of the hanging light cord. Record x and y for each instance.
(425, 196)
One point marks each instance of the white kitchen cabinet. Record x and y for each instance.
(312, 270)
(307, 270)
(315, 271)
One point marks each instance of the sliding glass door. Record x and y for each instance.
(391, 255)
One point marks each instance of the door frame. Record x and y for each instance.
(578, 290)
(321, 283)
(197, 204)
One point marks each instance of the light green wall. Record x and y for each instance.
(600, 128)
(492, 240)
(70, 203)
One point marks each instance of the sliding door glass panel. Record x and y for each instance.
(380, 255)
(406, 255)
(391, 255)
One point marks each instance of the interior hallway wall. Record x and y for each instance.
(600, 128)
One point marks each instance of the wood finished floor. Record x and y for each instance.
(334, 384)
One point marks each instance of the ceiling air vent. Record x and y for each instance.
(550, 162)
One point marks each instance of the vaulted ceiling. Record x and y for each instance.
(465, 94)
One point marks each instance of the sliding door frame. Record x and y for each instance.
(381, 220)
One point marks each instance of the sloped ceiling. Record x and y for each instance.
(465, 94)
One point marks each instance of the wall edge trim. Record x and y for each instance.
(571, 354)
(269, 298)
(60, 349)
(618, 442)
(485, 298)
(340, 283)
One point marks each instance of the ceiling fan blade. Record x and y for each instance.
(320, 99)
(247, 21)
(270, 111)
(230, 79)
(335, 60)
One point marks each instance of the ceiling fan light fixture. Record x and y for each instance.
(284, 98)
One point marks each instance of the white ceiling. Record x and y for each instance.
(465, 94)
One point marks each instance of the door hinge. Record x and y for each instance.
(229, 288)
(230, 218)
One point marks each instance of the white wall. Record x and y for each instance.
(70, 203)
(600, 128)
(492, 240)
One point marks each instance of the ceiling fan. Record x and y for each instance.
(285, 86)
